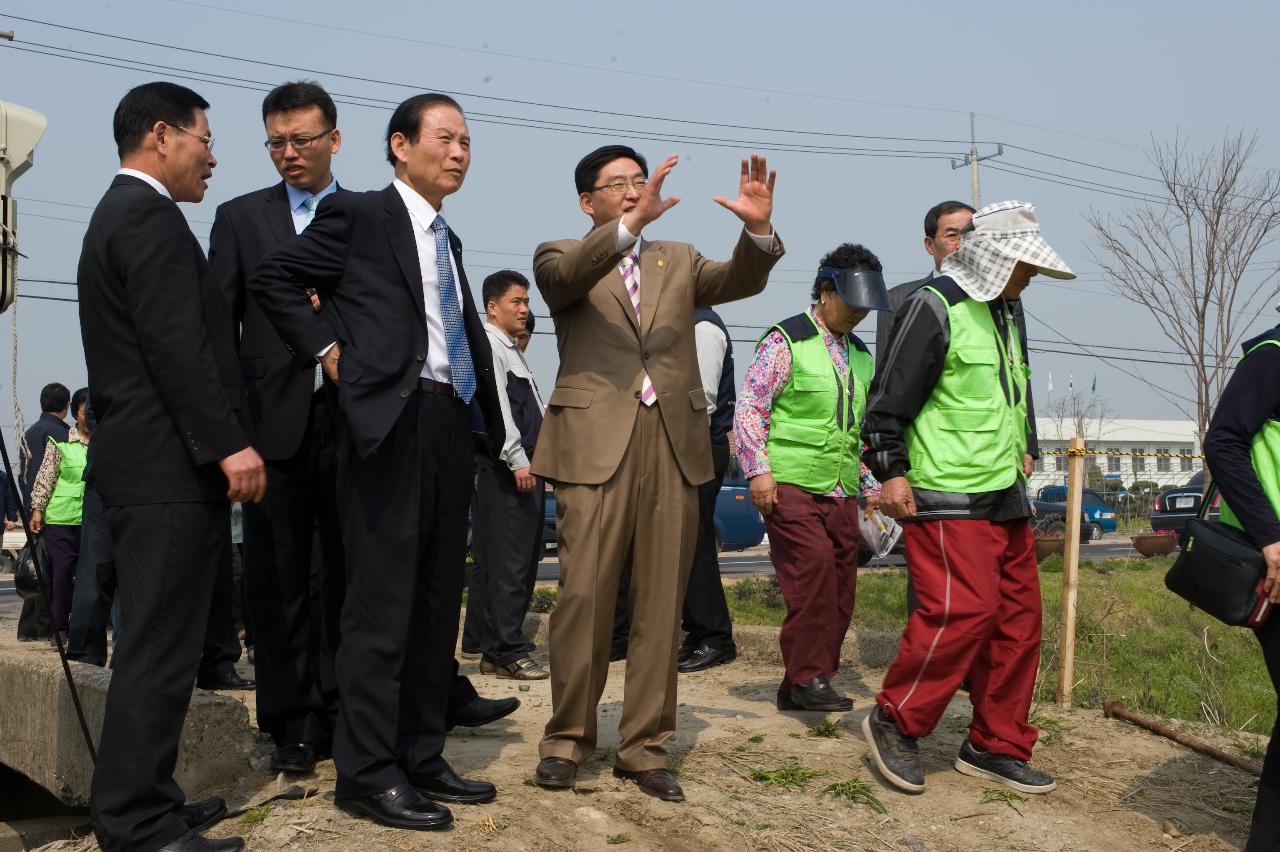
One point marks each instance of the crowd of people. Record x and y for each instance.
(326, 367)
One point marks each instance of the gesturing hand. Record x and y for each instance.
(651, 204)
(754, 205)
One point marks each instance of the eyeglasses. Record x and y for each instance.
(207, 139)
(619, 186)
(299, 143)
(950, 235)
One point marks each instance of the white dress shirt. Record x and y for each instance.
(422, 214)
(711, 345)
(155, 184)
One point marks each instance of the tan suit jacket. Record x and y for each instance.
(604, 350)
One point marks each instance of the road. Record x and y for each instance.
(731, 565)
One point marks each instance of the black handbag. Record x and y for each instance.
(31, 570)
(1220, 571)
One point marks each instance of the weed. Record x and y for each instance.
(762, 826)
(826, 728)
(1000, 794)
(856, 790)
(543, 600)
(257, 815)
(790, 774)
(740, 749)
(1051, 729)
(618, 839)
(758, 738)
(736, 797)
(740, 823)
(674, 765)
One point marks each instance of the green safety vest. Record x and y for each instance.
(968, 438)
(1264, 449)
(67, 501)
(815, 436)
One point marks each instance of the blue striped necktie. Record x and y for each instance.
(455, 333)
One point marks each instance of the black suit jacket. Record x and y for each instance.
(37, 440)
(361, 248)
(278, 380)
(160, 351)
(884, 319)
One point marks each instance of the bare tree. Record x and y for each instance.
(1079, 413)
(1189, 260)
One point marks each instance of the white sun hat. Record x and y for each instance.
(1002, 234)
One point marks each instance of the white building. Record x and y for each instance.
(1122, 438)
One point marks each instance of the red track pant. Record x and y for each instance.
(814, 544)
(979, 616)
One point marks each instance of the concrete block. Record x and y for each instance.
(40, 735)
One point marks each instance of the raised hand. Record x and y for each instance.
(651, 204)
(754, 205)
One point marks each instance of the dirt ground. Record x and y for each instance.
(1119, 788)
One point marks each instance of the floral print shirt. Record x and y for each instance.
(766, 376)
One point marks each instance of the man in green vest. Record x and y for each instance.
(1242, 449)
(947, 432)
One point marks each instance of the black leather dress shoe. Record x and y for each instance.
(705, 657)
(225, 680)
(193, 842)
(400, 807)
(817, 694)
(205, 813)
(446, 786)
(685, 652)
(294, 757)
(655, 782)
(482, 711)
(556, 773)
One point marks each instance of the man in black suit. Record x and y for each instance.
(400, 336)
(167, 457)
(35, 621)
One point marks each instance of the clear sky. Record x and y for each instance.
(1092, 82)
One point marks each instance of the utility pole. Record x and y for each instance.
(972, 159)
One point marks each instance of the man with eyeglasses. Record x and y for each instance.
(625, 440)
(168, 455)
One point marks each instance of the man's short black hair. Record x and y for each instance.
(845, 256)
(407, 119)
(78, 399)
(54, 397)
(588, 170)
(937, 211)
(142, 106)
(300, 95)
(497, 285)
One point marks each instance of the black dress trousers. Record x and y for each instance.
(404, 521)
(706, 612)
(166, 557)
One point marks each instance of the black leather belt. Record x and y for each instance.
(432, 386)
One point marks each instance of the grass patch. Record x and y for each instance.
(618, 839)
(1135, 641)
(762, 826)
(826, 728)
(757, 739)
(856, 790)
(1002, 794)
(256, 816)
(543, 600)
(791, 774)
(1051, 729)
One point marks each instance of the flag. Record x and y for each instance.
(1094, 391)
(1071, 383)
(1049, 389)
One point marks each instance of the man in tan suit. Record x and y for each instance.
(625, 441)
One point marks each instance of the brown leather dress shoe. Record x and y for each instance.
(557, 773)
(655, 782)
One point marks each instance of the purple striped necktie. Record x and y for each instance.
(631, 277)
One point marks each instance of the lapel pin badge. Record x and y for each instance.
(661, 263)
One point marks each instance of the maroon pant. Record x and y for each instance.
(979, 615)
(814, 543)
(63, 546)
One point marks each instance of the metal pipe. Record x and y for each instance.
(1114, 709)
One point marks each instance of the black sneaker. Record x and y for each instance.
(1003, 769)
(896, 756)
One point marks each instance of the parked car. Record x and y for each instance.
(1051, 518)
(1100, 513)
(1175, 506)
(738, 522)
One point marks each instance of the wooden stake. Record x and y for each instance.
(1070, 572)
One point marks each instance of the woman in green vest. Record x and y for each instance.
(1242, 449)
(57, 497)
(797, 425)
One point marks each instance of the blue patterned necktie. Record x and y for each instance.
(455, 333)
